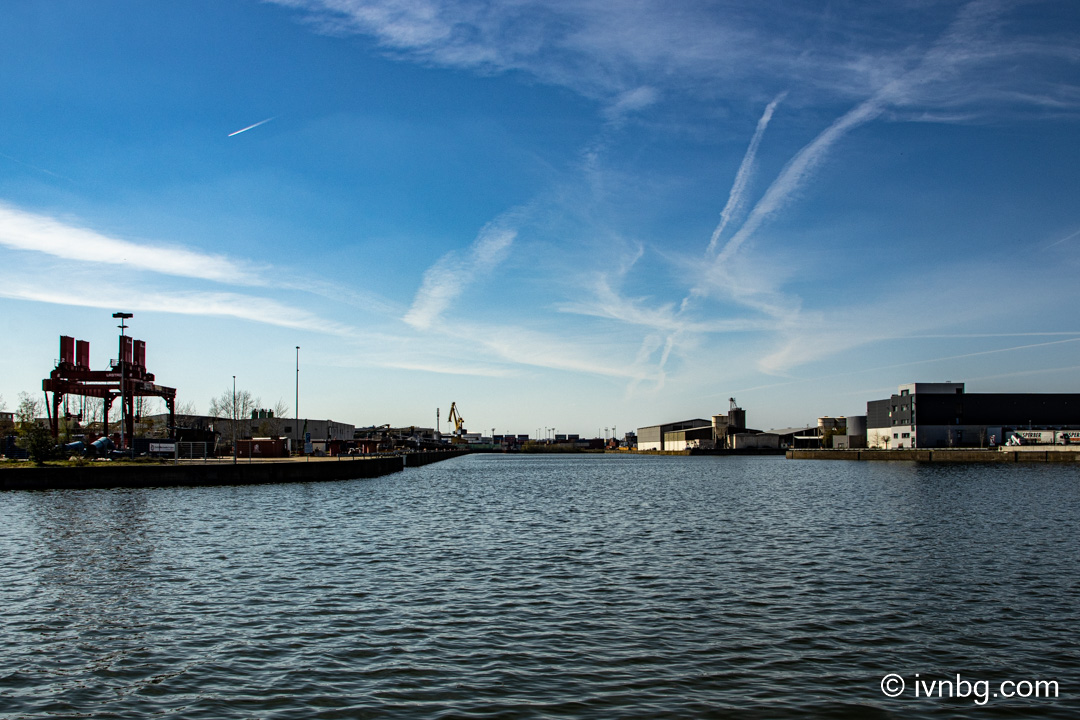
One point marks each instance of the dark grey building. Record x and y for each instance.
(939, 415)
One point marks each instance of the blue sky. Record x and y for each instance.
(570, 214)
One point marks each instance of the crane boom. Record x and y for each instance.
(458, 421)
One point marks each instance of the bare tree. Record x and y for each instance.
(233, 405)
(145, 405)
(145, 425)
(274, 426)
(186, 408)
(281, 409)
(92, 410)
(29, 410)
(234, 408)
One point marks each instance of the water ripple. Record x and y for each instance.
(545, 587)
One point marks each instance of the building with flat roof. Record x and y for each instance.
(716, 433)
(653, 436)
(942, 415)
(322, 432)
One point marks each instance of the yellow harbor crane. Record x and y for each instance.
(459, 422)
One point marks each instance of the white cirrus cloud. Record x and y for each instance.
(607, 49)
(447, 279)
(33, 232)
(221, 304)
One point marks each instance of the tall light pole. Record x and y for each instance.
(233, 419)
(122, 316)
(296, 424)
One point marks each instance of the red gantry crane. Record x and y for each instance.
(126, 379)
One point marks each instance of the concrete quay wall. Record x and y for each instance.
(417, 459)
(219, 472)
(966, 456)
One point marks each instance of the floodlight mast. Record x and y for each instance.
(235, 417)
(296, 407)
(122, 317)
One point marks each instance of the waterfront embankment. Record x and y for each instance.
(217, 472)
(973, 455)
(742, 452)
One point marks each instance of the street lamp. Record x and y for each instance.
(296, 424)
(233, 419)
(122, 316)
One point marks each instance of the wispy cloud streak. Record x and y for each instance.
(529, 348)
(797, 170)
(742, 177)
(638, 58)
(443, 368)
(606, 49)
(31, 232)
(447, 279)
(848, 372)
(960, 46)
(607, 303)
(211, 304)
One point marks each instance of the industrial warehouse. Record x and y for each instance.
(943, 415)
(920, 415)
(721, 433)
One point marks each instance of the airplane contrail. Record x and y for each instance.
(742, 177)
(49, 172)
(1067, 237)
(249, 127)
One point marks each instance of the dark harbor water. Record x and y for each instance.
(536, 587)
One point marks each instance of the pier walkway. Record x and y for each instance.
(1035, 453)
(219, 471)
